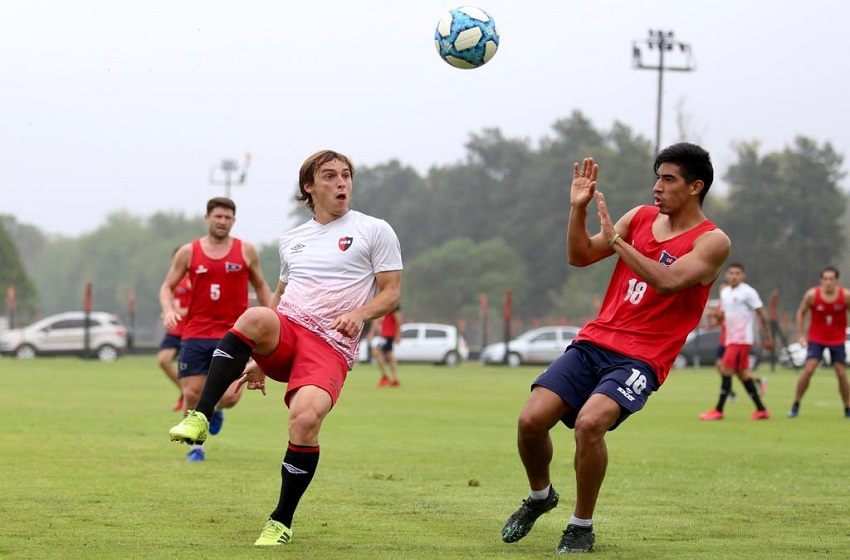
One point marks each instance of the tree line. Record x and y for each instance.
(493, 220)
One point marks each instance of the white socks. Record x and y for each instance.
(581, 522)
(540, 494)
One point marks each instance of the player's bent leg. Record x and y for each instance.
(261, 325)
(191, 386)
(598, 414)
(543, 409)
(308, 407)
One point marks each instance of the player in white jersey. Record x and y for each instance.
(338, 270)
(739, 304)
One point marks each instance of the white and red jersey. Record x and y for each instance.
(219, 291)
(829, 319)
(635, 320)
(739, 306)
(329, 269)
(181, 294)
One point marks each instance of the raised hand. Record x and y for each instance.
(584, 182)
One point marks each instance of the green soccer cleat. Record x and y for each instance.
(274, 533)
(192, 429)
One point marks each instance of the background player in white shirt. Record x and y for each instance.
(338, 270)
(740, 304)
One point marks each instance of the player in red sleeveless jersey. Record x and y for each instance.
(669, 256)
(220, 267)
(390, 332)
(170, 345)
(828, 305)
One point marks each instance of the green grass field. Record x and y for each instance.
(425, 471)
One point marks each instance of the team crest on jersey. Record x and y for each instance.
(201, 269)
(345, 243)
(232, 267)
(667, 259)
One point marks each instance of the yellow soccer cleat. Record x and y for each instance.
(274, 533)
(192, 429)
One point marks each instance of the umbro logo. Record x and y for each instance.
(293, 470)
(297, 248)
(222, 354)
(201, 269)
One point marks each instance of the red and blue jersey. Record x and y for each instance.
(635, 320)
(829, 319)
(219, 292)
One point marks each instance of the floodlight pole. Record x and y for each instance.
(663, 41)
(228, 168)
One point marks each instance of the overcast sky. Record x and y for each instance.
(117, 105)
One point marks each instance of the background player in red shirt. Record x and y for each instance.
(828, 304)
(170, 345)
(389, 329)
(669, 256)
(220, 267)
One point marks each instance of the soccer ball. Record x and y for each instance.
(466, 37)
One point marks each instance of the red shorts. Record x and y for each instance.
(736, 357)
(303, 358)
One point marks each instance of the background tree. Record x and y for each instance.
(13, 273)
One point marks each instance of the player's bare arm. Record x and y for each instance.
(278, 293)
(179, 265)
(802, 311)
(582, 248)
(389, 294)
(255, 274)
(700, 266)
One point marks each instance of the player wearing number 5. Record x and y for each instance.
(669, 256)
(220, 268)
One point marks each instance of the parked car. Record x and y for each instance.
(795, 354)
(537, 346)
(700, 349)
(426, 342)
(65, 334)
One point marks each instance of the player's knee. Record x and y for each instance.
(590, 426)
(256, 322)
(531, 423)
(304, 424)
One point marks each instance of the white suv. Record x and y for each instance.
(65, 334)
(426, 342)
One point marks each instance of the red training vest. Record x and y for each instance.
(634, 319)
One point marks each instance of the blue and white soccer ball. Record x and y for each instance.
(466, 37)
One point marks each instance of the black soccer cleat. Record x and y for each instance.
(521, 521)
(576, 539)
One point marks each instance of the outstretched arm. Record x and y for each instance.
(699, 266)
(582, 248)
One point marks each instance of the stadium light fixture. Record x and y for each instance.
(663, 41)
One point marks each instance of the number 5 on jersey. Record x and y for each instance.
(635, 291)
(215, 292)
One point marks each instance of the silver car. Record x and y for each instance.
(426, 342)
(537, 346)
(65, 334)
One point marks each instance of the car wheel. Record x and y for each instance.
(107, 353)
(514, 359)
(25, 352)
(452, 359)
(680, 361)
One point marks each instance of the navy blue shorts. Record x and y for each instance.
(170, 341)
(837, 353)
(387, 345)
(584, 369)
(196, 356)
